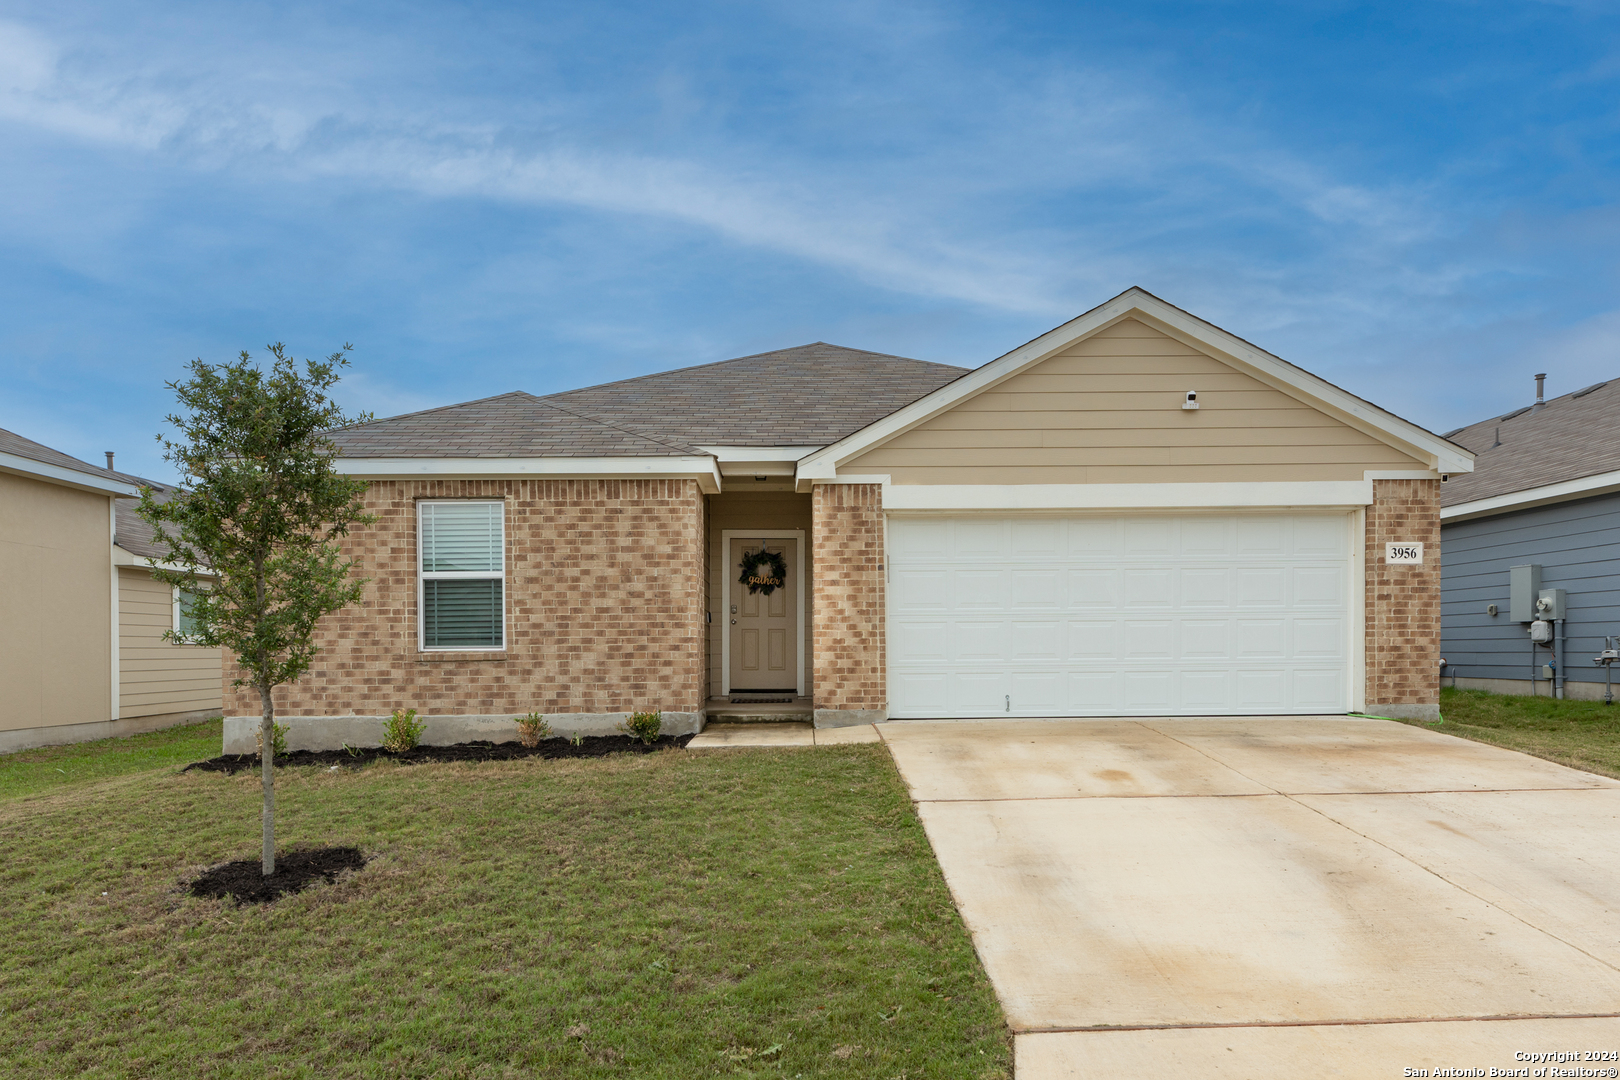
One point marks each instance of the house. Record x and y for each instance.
(1545, 494)
(1136, 513)
(81, 649)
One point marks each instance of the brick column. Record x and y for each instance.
(1403, 602)
(847, 547)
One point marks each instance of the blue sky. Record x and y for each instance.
(1418, 200)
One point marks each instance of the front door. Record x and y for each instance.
(764, 630)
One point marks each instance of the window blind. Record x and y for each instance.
(462, 575)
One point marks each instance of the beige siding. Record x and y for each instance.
(1108, 411)
(55, 605)
(157, 676)
(766, 510)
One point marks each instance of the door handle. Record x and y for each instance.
(733, 622)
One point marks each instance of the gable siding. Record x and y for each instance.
(1578, 547)
(1108, 411)
(156, 677)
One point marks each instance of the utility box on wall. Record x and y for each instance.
(1524, 589)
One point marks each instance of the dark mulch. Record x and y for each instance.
(591, 746)
(244, 880)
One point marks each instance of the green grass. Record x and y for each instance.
(1580, 734)
(27, 772)
(741, 913)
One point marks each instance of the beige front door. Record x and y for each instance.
(764, 630)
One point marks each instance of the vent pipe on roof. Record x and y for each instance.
(1498, 441)
(109, 454)
(1541, 384)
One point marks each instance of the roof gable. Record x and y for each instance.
(1166, 319)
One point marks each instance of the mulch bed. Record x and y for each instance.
(244, 880)
(590, 747)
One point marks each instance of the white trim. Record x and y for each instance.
(503, 576)
(1308, 493)
(705, 470)
(726, 536)
(1524, 499)
(1401, 474)
(122, 556)
(56, 474)
(112, 535)
(1358, 610)
(1136, 303)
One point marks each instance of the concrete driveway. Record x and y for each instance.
(1254, 897)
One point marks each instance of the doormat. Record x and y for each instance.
(762, 701)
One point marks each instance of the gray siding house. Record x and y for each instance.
(1545, 492)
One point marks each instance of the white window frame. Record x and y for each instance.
(458, 575)
(174, 622)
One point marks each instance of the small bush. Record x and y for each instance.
(278, 740)
(531, 729)
(645, 726)
(402, 731)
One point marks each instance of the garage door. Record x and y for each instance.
(1119, 616)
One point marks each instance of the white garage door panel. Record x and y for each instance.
(1150, 615)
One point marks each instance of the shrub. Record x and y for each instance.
(531, 729)
(278, 740)
(402, 731)
(644, 725)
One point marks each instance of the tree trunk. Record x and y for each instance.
(267, 773)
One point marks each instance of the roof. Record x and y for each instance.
(507, 425)
(810, 395)
(1137, 302)
(1569, 437)
(133, 534)
(19, 454)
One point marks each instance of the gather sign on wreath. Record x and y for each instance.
(763, 571)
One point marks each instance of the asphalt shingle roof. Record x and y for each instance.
(806, 396)
(13, 443)
(1569, 437)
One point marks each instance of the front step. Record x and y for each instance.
(724, 711)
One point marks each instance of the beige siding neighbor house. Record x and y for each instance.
(1135, 514)
(81, 648)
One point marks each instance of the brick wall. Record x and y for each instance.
(1403, 602)
(846, 523)
(605, 604)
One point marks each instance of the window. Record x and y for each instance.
(462, 575)
(185, 626)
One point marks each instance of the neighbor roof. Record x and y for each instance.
(1567, 438)
(806, 396)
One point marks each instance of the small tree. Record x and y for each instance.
(259, 512)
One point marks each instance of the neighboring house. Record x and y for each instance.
(1056, 533)
(81, 648)
(1545, 492)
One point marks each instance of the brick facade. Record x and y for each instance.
(605, 608)
(849, 638)
(1403, 602)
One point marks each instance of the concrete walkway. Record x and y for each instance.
(1321, 897)
(724, 736)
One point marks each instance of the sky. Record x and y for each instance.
(1417, 200)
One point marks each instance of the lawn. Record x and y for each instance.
(1580, 734)
(29, 771)
(737, 913)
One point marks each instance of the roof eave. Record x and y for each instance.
(704, 469)
(72, 478)
(1583, 487)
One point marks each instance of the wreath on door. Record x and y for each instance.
(763, 571)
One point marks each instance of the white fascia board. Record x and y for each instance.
(1276, 494)
(126, 558)
(759, 460)
(72, 478)
(1564, 491)
(705, 470)
(1440, 455)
